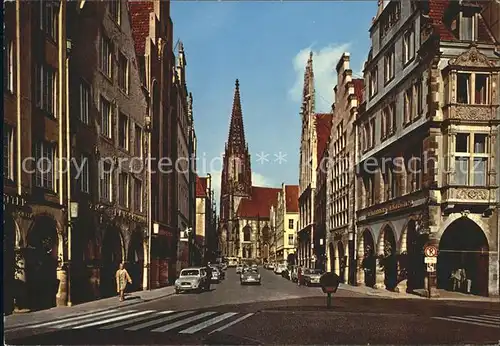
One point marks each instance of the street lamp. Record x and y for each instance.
(73, 214)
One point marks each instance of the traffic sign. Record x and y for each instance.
(430, 260)
(431, 267)
(430, 251)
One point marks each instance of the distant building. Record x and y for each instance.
(244, 209)
(315, 132)
(286, 213)
(206, 242)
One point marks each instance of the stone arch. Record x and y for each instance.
(387, 248)
(381, 236)
(112, 253)
(331, 258)
(41, 255)
(366, 257)
(464, 254)
(457, 216)
(135, 259)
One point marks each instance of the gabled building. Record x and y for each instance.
(341, 177)
(206, 231)
(152, 31)
(430, 131)
(244, 209)
(286, 219)
(315, 132)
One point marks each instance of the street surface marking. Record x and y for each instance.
(164, 319)
(138, 319)
(231, 323)
(94, 312)
(470, 320)
(208, 323)
(75, 318)
(119, 318)
(183, 322)
(75, 321)
(492, 317)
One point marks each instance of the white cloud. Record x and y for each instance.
(260, 180)
(325, 60)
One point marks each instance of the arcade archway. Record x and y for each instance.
(416, 267)
(390, 261)
(340, 261)
(41, 264)
(368, 264)
(135, 261)
(111, 255)
(463, 252)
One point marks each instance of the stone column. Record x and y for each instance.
(379, 275)
(360, 273)
(62, 293)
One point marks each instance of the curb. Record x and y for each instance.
(139, 301)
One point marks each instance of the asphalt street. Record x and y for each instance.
(276, 312)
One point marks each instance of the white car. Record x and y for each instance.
(239, 269)
(192, 279)
(279, 268)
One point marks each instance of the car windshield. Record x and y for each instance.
(190, 272)
(251, 271)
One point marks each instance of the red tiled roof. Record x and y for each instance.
(139, 16)
(437, 9)
(201, 186)
(292, 198)
(323, 128)
(359, 85)
(260, 202)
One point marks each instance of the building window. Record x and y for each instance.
(290, 240)
(106, 182)
(138, 141)
(389, 66)
(123, 73)
(137, 195)
(408, 46)
(471, 158)
(105, 108)
(84, 102)
(9, 66)
(114, 10)
(48, 18)
(290, 224)
(419, 97)
(123, 131)
(246, 233)
(45, 165)
(468, 27)
(481, 88)
(46, 89)
(123, 192)
(373, 82)
(408, 111)
(84, 175)
(372, 133)
(106, 56)
(8, 152)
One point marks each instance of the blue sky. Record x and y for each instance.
(265, 45)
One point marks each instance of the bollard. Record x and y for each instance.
(329, 300)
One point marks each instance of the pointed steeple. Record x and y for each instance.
(308, 100)
(236, 140)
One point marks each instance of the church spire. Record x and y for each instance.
(308, 100)
(236, 140)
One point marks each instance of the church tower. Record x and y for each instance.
(236, 178)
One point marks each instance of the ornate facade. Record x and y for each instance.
(286, 220)
(427, 154)
(244, 218)
(341, 177)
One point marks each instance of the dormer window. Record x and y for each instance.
(464, 26)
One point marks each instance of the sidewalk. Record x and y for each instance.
(17, 320)
(444, 295)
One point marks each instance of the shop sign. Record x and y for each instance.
(389, 208)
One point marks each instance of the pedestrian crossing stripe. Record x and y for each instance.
(188, 322)
(491, 321)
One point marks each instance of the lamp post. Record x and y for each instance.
(148, 264)
(73, 214)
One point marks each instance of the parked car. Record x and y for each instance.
(250, 276)
(279, 268)
(285, 274)
(239, 269)
(310, 277)
(192, 279)
(270, 266)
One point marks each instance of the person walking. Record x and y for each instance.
(122, 277)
